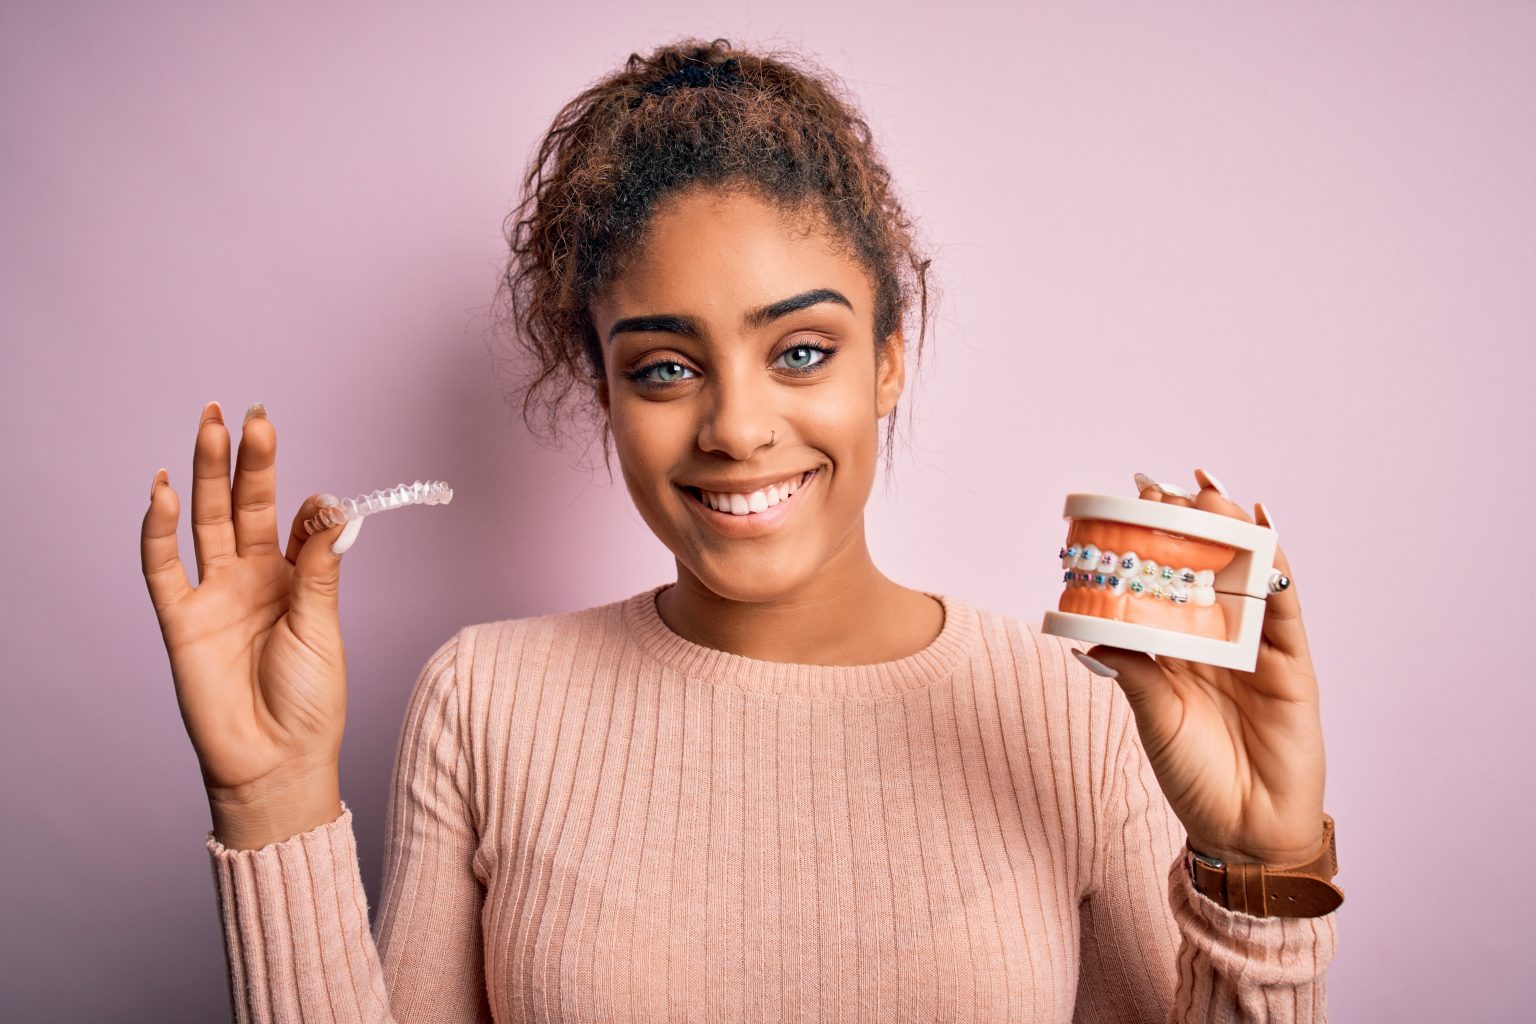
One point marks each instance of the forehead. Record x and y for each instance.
(713, 254)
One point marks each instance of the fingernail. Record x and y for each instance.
(256, 409)
(1094, 665)
(1206, 480)
(348, 535)
(155, 483)
(1263, 511)
(212, 411)
(1143, 482)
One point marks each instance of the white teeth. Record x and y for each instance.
(1131, 576)
(757, 501)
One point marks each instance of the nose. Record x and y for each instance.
(741, 418)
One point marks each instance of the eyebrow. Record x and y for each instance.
(672, 323)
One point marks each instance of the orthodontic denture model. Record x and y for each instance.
(1163, 579)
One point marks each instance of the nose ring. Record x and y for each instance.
(774, 436)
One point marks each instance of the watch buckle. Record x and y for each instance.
(1211, 862)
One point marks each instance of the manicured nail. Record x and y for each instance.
(256, 409)
(1263, 511)
(1094, 665)
(1206, 480)
(348, 535)
(211, 411)
(159, 475)
(1143, 482)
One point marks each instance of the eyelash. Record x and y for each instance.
(638, 374)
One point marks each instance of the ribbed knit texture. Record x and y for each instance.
(594, 819)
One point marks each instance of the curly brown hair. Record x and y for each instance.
(693, 113)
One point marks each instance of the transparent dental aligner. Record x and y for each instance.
(339, 511)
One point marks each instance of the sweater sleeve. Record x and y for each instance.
(1156, 950)
(295, 914)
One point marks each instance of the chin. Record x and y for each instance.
(747, 582)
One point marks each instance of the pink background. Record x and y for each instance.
(1295, 245)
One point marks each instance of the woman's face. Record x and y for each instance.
(737, 323)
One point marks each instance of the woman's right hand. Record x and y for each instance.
(255, 649)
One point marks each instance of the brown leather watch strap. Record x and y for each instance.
(1264, 890)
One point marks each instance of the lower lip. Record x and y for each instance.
(754, 524)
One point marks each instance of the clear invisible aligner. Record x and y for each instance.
(339, 511)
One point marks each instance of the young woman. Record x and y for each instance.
(783, 786)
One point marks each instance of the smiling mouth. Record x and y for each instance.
(743, 506)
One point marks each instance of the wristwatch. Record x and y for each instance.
(1266, 890)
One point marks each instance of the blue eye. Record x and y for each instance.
(826, 354)
(642, 375)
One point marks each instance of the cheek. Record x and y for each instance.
(841, 415)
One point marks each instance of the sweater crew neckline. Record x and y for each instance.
(920, 669)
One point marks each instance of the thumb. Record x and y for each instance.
(1137, 674)
(317, 572)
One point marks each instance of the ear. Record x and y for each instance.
(890, 374)
(602, 393)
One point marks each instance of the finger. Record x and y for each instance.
(298, 535)
(163, 571)
(213, 531)
(314, 600)
(1155, 490)
(255, 492)
(1282, 612)
(1213, 498)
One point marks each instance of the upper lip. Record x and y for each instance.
(743, 486)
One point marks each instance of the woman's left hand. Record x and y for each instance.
(1239, 755)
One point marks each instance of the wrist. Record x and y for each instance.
(275, 809)
(1238, 855)
(1276, 884)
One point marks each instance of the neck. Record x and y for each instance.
(845, 612)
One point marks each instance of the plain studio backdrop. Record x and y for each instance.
(1294, 244)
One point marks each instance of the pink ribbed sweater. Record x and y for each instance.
(595, 819)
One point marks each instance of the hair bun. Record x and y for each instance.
(698, 75)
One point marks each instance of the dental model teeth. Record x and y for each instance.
(1088, 558)
(1129, 575)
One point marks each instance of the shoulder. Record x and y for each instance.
(1053, 688)
(494, 655)
(1020, 643)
